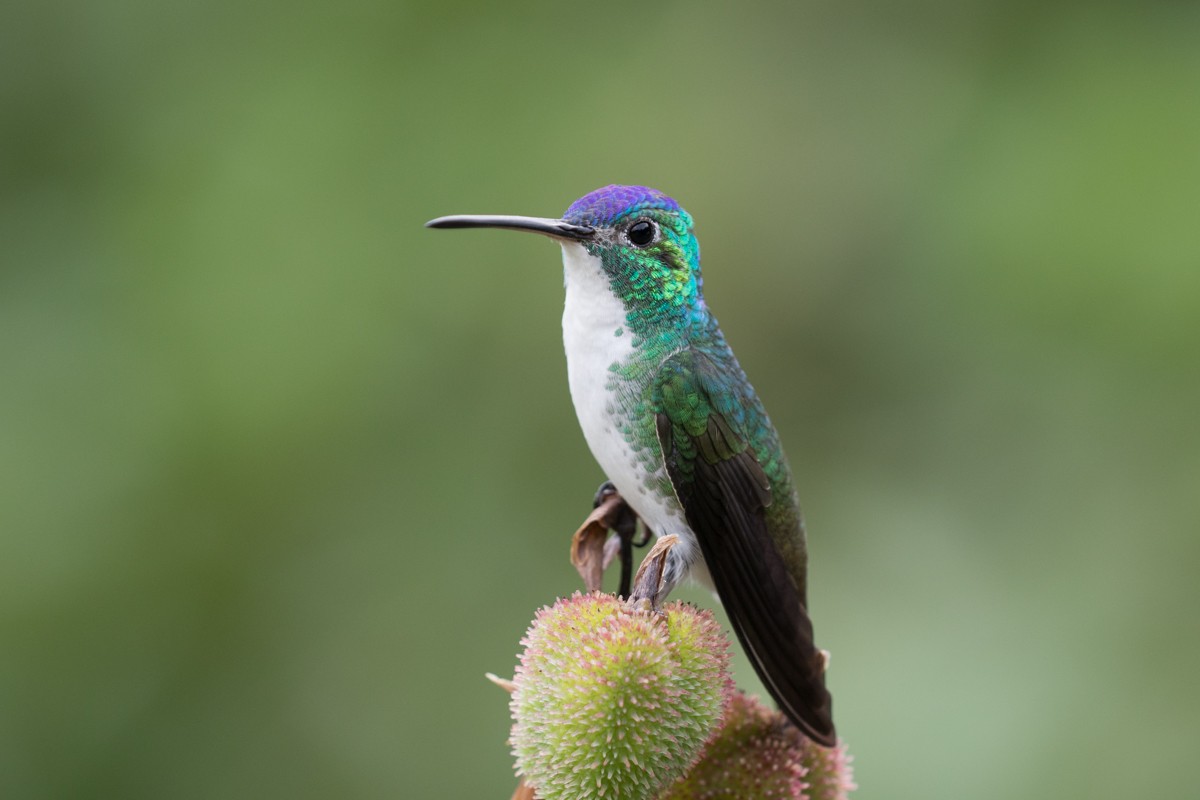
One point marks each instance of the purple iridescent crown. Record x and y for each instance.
(600, 208)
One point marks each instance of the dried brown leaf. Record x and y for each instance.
(588, 552)
(647, 583)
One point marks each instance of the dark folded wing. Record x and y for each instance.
(724, 493)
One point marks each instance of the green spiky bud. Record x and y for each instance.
(611, 702)
(758, 753)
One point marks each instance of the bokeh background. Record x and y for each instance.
(282, 474)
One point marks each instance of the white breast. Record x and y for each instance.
(595, 337)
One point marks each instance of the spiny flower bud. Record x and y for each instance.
(829, 775)
(758, 754)
(612, 702)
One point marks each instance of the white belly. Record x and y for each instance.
(595, 337)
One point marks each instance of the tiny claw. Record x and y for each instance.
(606, 490)
(647, 535)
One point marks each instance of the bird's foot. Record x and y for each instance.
(591, 548)
(606, 490)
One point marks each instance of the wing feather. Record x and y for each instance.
(725, 492)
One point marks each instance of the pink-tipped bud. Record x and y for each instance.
(616, 703)
(758, 753)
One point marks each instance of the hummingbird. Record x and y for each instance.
(675, 425)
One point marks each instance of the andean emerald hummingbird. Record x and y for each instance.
(672, 420)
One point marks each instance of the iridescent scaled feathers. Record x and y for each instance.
(698, 437)
(660, 282)
(603, 207)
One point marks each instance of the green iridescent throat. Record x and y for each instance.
(659, 284)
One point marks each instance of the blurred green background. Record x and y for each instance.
(282, 474)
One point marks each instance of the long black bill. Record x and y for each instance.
(554, 228)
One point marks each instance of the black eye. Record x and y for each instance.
(641, 233)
